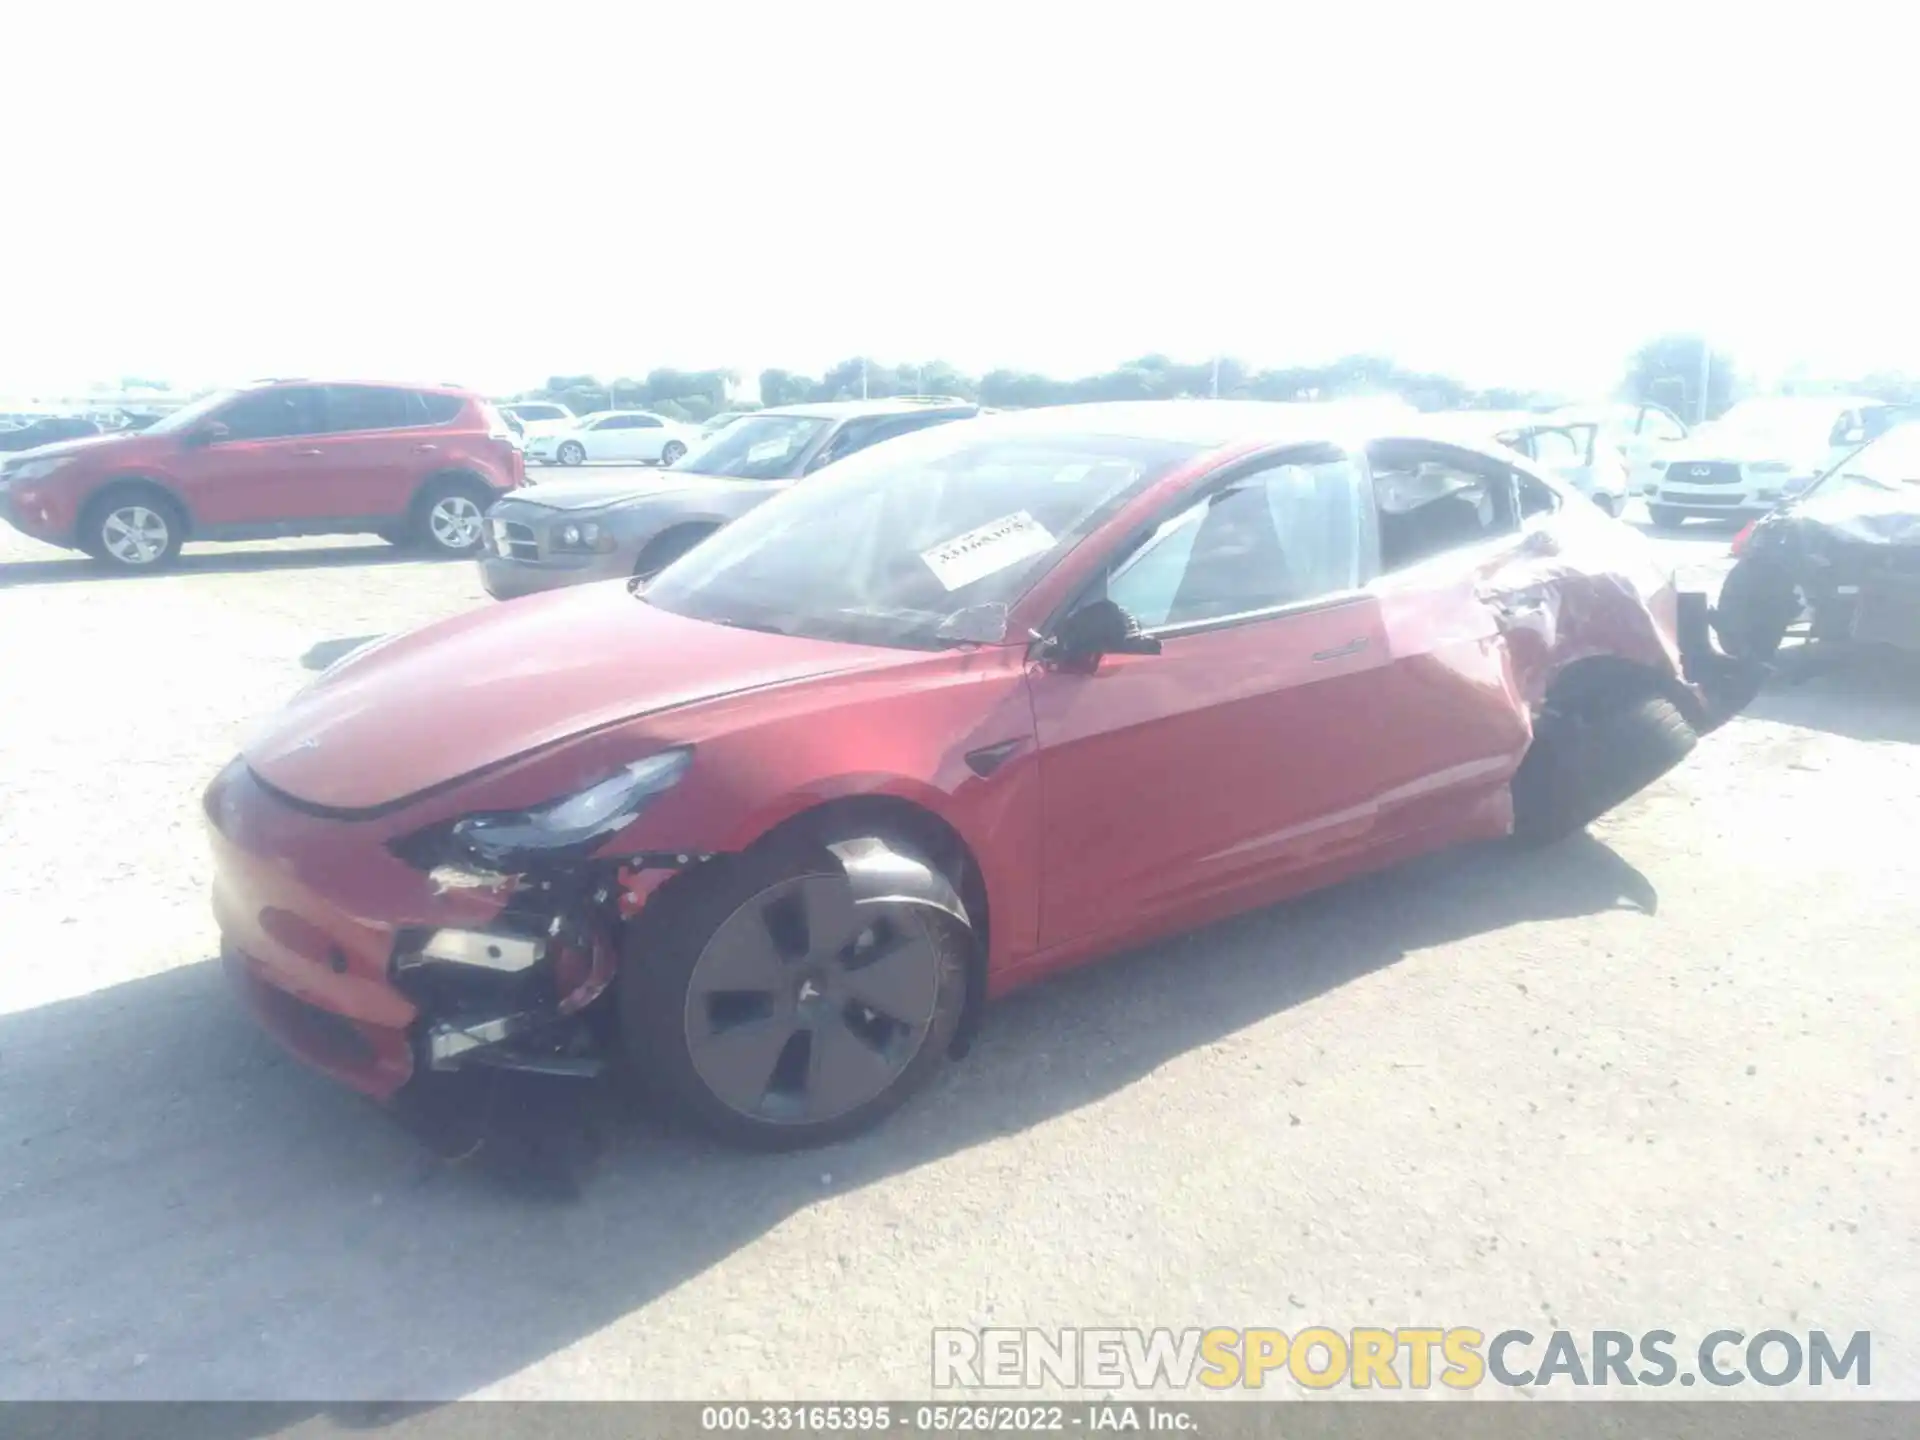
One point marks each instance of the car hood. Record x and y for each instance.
(418, 711)
(593, 492)
(1856, 513)
(56, 448)
(1745, 450)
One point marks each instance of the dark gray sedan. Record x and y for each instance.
(605, 527)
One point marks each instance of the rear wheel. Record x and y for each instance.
(1666, 517)
(1585, 762)
(672, 452)
(133, 527)
(448, 518)
(776, 1012)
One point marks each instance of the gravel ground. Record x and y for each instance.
(1659, 1077)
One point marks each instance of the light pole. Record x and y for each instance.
(1706, 372)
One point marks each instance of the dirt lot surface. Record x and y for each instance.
(1661, 1077)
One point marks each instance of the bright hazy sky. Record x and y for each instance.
(491, 194)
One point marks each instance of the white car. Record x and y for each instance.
(1762, 451)
(631, 436)
(1582, 453)
(539, 417)
(1643, 433)
(1575, 450)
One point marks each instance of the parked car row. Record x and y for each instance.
(593, 528)
(949, 714)
(1762, 451)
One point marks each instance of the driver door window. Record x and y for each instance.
(1278, 537)
(274, 414)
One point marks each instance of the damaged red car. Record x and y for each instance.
(981, 703)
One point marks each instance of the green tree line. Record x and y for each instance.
(1665, 370)
(697, 394)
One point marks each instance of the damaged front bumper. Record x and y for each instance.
(460, 970)
(1723, 684)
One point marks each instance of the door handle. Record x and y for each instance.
(426, 449)
(1352, 647)
(310, 450)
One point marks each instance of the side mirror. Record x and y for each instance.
(210, 433)
(1101, 627)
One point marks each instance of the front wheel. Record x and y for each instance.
(777, 1012)
(133, 529)
(573, 453)
(1666, 517)
(1758, 603)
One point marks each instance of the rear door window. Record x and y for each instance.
(1434, 498)
(365, 407)
(429, 408)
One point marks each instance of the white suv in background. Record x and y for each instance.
(1762, 451)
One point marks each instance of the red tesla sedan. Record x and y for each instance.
(972, 706)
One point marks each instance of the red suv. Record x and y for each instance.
(279, 458)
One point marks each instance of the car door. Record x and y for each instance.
(646, 438)
(377, 445)
(602, 438)
(1470, 622)
(268, 466)
(1242, 753)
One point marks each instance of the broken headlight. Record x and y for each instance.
(561, 829)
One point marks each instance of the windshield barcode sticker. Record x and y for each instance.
(983, 552)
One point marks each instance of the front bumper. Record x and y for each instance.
(519, 555)
(376, 973)
(505, 578)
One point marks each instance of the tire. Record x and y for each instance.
(572, 453)
(1582, 765)
(1666, 517)
(133, 529)
(672, 452)
(448, 516)
(751, 921)
(667, 547)
(1757, 603)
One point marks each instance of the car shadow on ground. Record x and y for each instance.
(75, 569)
(1866, 694)
(189, 1214)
